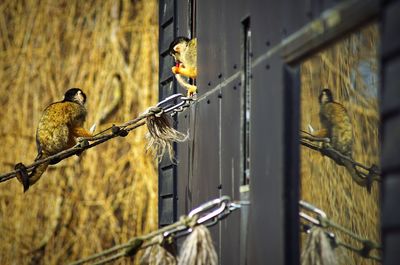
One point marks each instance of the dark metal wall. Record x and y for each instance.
(210, 164)
(174, 20)
(168, 20)
(390, 131)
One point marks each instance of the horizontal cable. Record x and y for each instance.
(168, 105)
(207, 214)
(323, 221)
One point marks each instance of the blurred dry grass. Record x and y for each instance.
(350, 69)
(109, 194)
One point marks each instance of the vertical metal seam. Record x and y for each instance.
(219, 102)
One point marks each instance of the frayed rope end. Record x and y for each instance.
(198, 248)
(162, 135)
(318, 249)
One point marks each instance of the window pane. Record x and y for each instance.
(333, 183)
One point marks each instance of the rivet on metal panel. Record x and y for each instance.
(219, 75)
(234, 87)
(267, 67)
(208, 101)
(209, 83)
(267, 43)
(234, 66)
(240, 83)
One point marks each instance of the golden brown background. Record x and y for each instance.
(86, 204)
(349, 68)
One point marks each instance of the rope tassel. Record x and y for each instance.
(198, 248)
(162, 135)
(318, 249)
(157, 254)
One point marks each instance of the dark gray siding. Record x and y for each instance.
(390, 131)
(210, 163)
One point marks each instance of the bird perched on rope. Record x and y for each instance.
(59, 127)
(184, 51)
